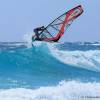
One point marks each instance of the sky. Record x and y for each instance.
(20, 17)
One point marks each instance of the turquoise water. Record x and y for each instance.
(45, 71)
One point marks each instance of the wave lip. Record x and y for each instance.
(89, 59)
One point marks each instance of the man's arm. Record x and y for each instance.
(42, 28)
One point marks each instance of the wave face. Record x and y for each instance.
(39, 71)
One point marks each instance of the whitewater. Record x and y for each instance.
(49, 71)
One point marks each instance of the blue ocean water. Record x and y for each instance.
(46, 71)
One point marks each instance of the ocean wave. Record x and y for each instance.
(71, 90)
(89, 59)
(44, 64)
(86, 59)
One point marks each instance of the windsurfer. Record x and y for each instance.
(37, 31)
(54, 31)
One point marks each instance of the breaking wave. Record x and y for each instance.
(45, 71)
(86, 59)
(71, 90)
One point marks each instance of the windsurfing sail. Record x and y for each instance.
(55, 30)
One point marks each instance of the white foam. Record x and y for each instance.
(64, 91)
(85, 59)
(37, 43)
(28, 39)
(98, 44)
